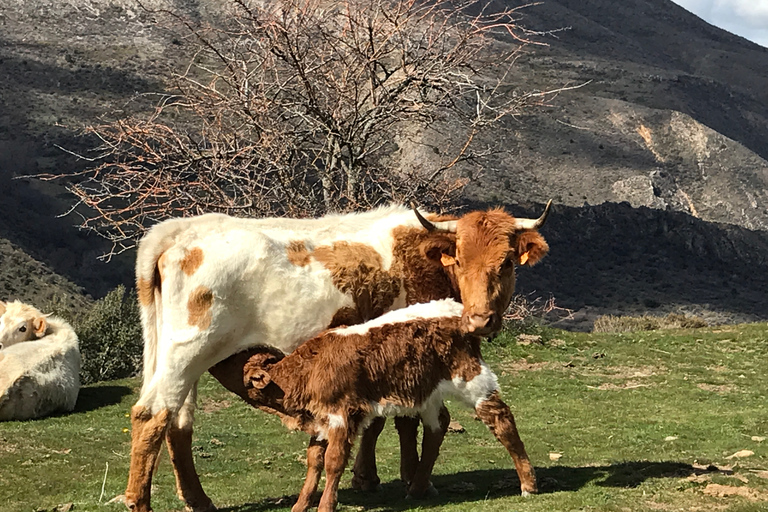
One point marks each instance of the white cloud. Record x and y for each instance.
(747, 18)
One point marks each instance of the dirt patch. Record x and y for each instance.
(630, 384)
(7, 447)
(726, 491)
(522, 365)
(630, 372)
(209, 406)
(717, 388)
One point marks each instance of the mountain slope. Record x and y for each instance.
(670, 119)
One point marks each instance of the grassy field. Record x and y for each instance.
(613, 422)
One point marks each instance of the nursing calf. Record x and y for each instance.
(402, 363)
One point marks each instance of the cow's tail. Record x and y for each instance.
(149, 289)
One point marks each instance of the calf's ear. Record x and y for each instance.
(2, 308)
(257, 379)
(530, 247)
(40, 325)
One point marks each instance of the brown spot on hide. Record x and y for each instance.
(297, 253)
(145, 291)
(356, 269)
(161, 264)
(345, 316)
(192, 260)
(417, 262)
(199, 307)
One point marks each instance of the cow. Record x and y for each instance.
(402, 363)
(39, 363)
(212, 286)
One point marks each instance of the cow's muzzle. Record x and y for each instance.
(480, 323)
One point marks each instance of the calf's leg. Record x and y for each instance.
(315, 462)
(499, 419)
(434, 433)
(408, 432)
(365, 474)
(336, 455)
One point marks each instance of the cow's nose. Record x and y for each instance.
(478, 321)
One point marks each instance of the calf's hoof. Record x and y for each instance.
(420, 494)
(208, 507)
(366, 485)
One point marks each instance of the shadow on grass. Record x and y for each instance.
(94, 397)
(471, 486)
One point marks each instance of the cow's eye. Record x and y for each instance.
(23, 328)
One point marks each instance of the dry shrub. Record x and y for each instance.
(294, 108)
(610, 323)
(110, 335)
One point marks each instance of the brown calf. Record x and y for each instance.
(401, 364)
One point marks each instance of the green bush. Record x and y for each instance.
(110, 336)
(610, 323)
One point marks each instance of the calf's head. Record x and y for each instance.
(488, 246)
(20, 322)
(256, 377)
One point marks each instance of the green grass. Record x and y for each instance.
(606, 402)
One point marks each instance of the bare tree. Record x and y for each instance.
(293, 107)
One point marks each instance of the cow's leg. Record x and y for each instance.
(435, 427)
(496, 414)
(147, 432)
(408, 431)
(315, 463)
(179, 442)
(161, 403)
(365, 475)
(336, 455)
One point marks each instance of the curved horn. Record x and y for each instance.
(523, 224)
(448, 225)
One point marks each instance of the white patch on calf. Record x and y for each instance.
(474, 391)
(445, 308)
(429, 410)
(336, 421)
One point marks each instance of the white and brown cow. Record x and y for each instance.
(212, 286)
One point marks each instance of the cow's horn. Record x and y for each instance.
(448, 225)
(523, 224)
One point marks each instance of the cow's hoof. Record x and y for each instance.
(360, 484)
(422, 494)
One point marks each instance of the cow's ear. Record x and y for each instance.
(257, 379)
(436, 249)
(40, 324)
(530, 248)
(2, 308)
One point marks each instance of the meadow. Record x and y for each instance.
(661, 420)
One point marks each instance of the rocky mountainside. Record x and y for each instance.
(657, 161)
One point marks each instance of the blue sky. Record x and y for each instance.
(747, 18)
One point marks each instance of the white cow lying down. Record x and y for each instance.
(39, 363)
